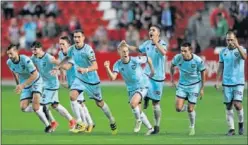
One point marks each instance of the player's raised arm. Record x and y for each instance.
(112, 75)
(64, 64)
(240, 49)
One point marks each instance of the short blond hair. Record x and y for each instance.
(121, 45)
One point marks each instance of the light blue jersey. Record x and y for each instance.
(23, 68)
(158, 59)
(190, 70)
(70, 74)
(132, 72)
(45, 66)
(233, 73)
(83, 57)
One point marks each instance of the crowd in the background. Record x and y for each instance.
(39, 21)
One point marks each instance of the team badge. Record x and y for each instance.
(43, 64)
(236, 54)
(23, 66)
(133, 67)
(157, 92)
(193, 65)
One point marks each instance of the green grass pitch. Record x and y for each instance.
(25, 128)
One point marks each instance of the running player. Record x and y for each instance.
(136, 81)
(29, 83)
(231, 67)
(86, 79)
(45, 63)
(64, 43)
(191, 81)
(155, 48)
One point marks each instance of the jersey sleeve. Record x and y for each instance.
(141, 59)
(221, 60)
(71, 61)
(91, 55)
(201, 66)
(142, 47)
(116, 67)
(9, 65)
(244, 51)
(175, 60)
(30, 65)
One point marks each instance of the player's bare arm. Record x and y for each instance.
(32, 77)
(203, 76)
(64, 64)
(93, 67)
(111, 75)
(172, 71)
(240, 49)
(149, 61)
(219, 74)
(132, 48)
(16, 78)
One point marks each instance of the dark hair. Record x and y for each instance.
(78, 31)
(11, 46)
(66, 38)
(156, 26)
(36, 44)
(186, 44)
(230, 32)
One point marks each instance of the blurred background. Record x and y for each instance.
(105, 24)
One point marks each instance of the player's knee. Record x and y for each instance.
(133, 104)
(54, 105)
(190, 109)
(229, 106)
(23, 108)
(99, 103)
(237, 105)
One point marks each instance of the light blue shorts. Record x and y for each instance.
(189, 93)
(80, 98)
(36, 87)
(50, 96)
(141, 91)
(155, 89)
(233, 93)
(93, 91)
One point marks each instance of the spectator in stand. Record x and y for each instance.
(132, 35)
(214, 16)
(14, 32)
(74, 24)
(8, 9)
(39, 9)
(194, 28)
(100, 36)
(221, 29)
(28, 9)
(51, 8)
(29, 28)
(146, 16)
(41, 23)
(137, 16)
(125, 15)
(51, 29)
(166, 20)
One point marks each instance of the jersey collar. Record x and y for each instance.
(42, 56)
(80, 48)
(189, 59)
(158, 42)
(128, 61)
(17, 61)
